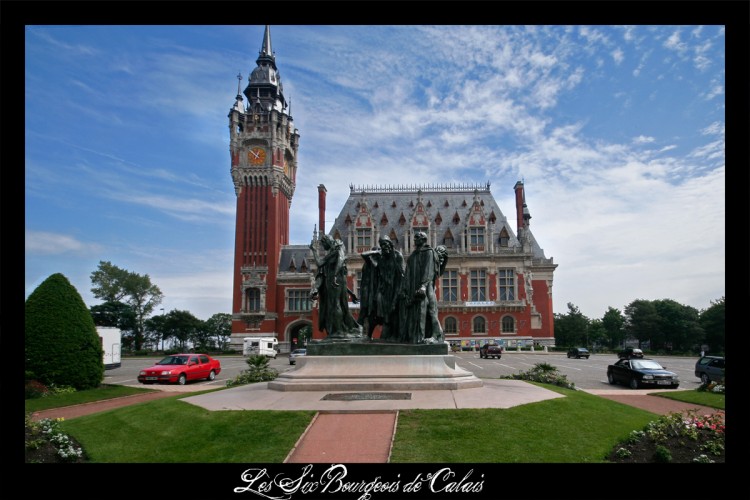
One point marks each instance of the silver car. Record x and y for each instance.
(710, 369)
(296, 354)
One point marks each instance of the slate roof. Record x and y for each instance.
(448, 209)
(294, 259)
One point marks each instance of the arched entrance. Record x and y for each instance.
(298, 333)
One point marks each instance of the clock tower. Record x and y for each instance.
(263, 148)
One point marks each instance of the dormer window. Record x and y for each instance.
(476, 239)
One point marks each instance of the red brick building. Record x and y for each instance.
(497, 284)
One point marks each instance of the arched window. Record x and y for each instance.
(451, 326)
(479, 325)
(509, 325)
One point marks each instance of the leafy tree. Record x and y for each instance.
(671, 324)
(304, 334)
(202, 337)
(61, 344)
(182, 326)
(572, 328)
(156, 329)
(713, 322)
(613, 322)
(112, 284)
(597, 334)
(109, 282)
(679, 324)
(219, 326)
(642, 320)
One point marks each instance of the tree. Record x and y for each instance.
(597, 334)
(112, 284)
(182, 326)
(572, 328)
(220, 327)
(61, 344)
(642, 320)
(156, 329)
(713, 321)
(613, 322)
(679, 324)
(109, 282)
(304, 335)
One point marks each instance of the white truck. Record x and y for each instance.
(111, 338)
(267, 346)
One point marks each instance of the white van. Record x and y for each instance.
(111, 339)
(267, 346)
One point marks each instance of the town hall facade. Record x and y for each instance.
(497, 286)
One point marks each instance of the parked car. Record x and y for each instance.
(296, 354)
(630, 352)
(491, 351)
(640, 372)
(579, 352)
(710, 369)
(181, 368)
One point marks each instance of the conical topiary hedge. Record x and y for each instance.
(61, 343)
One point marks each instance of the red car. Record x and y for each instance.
(179, 368)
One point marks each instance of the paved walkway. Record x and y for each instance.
(346, 438)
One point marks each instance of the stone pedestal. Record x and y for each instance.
(373, 348)
(375, 373)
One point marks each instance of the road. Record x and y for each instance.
(587, 374)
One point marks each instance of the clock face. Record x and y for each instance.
(257, 156)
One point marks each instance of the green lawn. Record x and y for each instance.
(712, 399)
(80, 397)
(580, 428)
(171, 431)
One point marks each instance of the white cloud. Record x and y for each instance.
(48, 243)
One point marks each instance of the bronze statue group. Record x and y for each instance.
(399, 296)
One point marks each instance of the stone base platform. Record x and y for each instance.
(375, 373)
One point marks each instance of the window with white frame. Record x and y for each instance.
(478, 285)
(449, 286)
(506, 279)
(364, 238)
(476, 238)
(298, 300)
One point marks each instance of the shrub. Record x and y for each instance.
(35, 389)
(662, 455)
(61, 343)
(258, 371)
(546, 374)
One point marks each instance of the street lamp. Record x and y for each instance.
(162, 333)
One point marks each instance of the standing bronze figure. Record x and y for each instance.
(382, 276)
(420, 316)
(331, 291)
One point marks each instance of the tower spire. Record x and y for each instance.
(265, 79)
(266, 49)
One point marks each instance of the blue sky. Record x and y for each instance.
(616, 131)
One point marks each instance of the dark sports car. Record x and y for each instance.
(639, 372)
